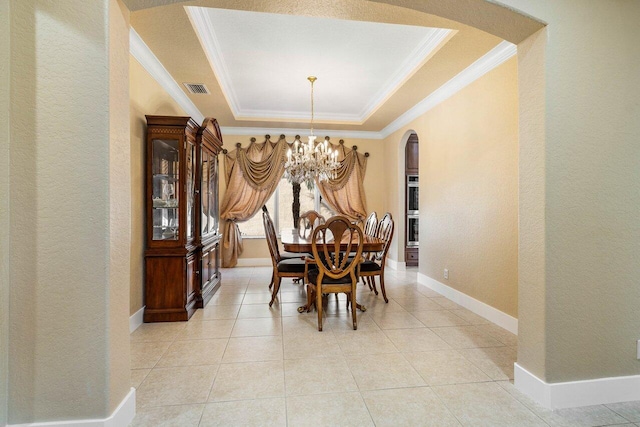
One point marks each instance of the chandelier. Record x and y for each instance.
(310, 161)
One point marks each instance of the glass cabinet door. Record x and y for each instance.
(204, 196)
(191, 194)
(165, 181)
(213, 194)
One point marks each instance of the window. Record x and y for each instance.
(279, 206)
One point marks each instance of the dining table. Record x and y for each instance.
(295, 240)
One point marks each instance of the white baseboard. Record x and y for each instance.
(396, 265)
(492, 314)
(254, 262)
(600, 391)
(136, 319)
(122, 416)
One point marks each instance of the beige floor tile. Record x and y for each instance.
(466, 337)
(217, 312)
(288, 309)
(571, 417)
(365, 343)
(496, 362)
(446, 303)
(192, 353)
(428, 292)
(470, 316)
(377, 305)
(435, 318)
(266, 326)
(445, 367)
(396, 320)
(256, 311)
(245, 413)
(253, 349)
(408, 407)
(486, 404)
(502, 335)
(628, 410)
(206, 329)
(160, 331)
(137, 376)
(259, 288)
(421, 339)
(176, 386)
(317, 376)
(252, 380)
(344, 324)
(226, 299)
(402, 292)
(419, 303)
(289, 296)
(311, 345)
(147, 354)
(305, 323)
(383, 371)
(168, 416)
(257, 298)
(588, 416)
(344, 409)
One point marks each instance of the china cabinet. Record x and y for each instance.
(177, 248)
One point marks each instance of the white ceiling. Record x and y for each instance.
(262, 62)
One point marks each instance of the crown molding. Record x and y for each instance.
(206, 34)
(141, 52)
(482, 66)
(496, 56)
(425, 50)
(253, 131)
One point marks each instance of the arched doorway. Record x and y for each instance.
(411, 206)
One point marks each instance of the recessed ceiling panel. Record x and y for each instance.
(262, 62)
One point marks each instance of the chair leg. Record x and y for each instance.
(384, 292)
(353, 309)
(271, 284)
(276, 288)
(319, 306)
(373, 284)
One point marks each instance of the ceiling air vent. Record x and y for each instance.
(197, 88)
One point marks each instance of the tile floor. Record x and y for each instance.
(418, 360)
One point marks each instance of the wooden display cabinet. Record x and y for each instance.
(209, 143)
(173, 258)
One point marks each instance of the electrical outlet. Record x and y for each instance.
(446, 276)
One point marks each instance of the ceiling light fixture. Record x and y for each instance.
(311, 161)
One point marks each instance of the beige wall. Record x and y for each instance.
(146, 97)
(469, 189)
(65, 325)
(5, 102)
(374, 181)
(591, 181)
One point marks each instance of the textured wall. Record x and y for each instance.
(60, 315)
(146, 97)
(4, 205)
(469, 189)
(119, 206)
(592, 181)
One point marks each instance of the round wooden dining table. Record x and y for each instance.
(295, 241)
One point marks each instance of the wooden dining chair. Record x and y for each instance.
(370, 268)
(371, 224)
(290, 267)
(308, 221)
(335, 272)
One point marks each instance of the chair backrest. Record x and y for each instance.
(325, 245)
(385, 232)
(271, 237)
(310, 219)
(371, 224)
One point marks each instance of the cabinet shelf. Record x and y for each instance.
(165, 207)
(164, 176)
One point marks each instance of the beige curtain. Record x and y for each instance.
(252, 175)
(345, 194)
